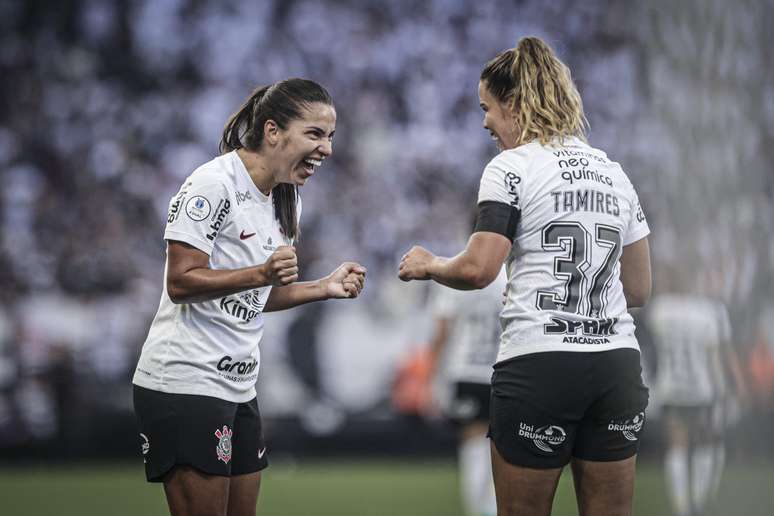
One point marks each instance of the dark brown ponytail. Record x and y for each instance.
(281, 102)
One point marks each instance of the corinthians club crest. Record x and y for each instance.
(224, 444)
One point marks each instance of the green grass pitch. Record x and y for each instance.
(356, 488)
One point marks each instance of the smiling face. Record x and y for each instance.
(498, 118)
(305, 143)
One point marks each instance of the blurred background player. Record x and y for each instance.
(463, 350)
(695, 357)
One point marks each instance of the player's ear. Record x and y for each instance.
(271, 132)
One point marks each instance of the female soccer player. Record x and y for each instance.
(230, 257)
(566, 220)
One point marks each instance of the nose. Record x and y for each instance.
(326, 148)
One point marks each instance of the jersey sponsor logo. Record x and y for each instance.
(242, 197)
(629, 427)
(566, 153)
(640, 214)
(511, 180)
(243, 236)
(588, 327)
(219, 218)
(544, 437)
(239, 371)
(174, 207)
(223, 449)
(234, 308)
(198, 208)
(573, 175)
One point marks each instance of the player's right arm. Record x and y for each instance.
(635, 273)
(191, 280)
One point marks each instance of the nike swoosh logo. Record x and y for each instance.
(242, 235)
(261, 452)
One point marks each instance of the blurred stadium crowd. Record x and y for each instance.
(106, 106)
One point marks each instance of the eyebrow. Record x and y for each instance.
(315, 128)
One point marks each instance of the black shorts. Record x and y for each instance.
(549, 407)
(215, 436)
(470, 403)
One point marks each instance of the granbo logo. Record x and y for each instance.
(219, 218)
(226, 364)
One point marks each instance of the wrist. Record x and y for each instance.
(321, 289)
(435, 267)
(260, 277)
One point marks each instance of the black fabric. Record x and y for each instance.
(215, 436)
(470, 403)
(549, 407)
(498, 217)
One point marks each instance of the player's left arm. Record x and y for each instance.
(346, 282)
(474, 268)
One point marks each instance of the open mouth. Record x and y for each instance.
(308, 166)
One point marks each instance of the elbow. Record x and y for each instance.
(174, 292)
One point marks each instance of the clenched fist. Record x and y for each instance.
(415, 264)
(347, 281)
(282, 267)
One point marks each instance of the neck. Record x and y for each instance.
(258, 168)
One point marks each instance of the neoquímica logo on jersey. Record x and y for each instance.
(217, 220)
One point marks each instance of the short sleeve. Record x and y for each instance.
(198, 212)
(501, 182)
(637, 228)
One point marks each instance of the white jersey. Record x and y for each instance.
(211, 348)
(689, 333)
(578, 209)
(474, 332)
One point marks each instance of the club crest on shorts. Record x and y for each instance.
(544, 437)
(629, 427)
(224, 444)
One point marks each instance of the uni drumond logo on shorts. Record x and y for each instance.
(544, 437)
(629, 427)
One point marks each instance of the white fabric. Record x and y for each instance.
(474, 329)
(211, 348)
(689, 333)
(577, 205)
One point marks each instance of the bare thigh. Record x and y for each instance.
(193, 493)
(523, 491)
(243, 494)
(604, 488)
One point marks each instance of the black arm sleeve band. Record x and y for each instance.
(498, 217)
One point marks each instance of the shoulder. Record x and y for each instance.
(214, 173)
(512, 160)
